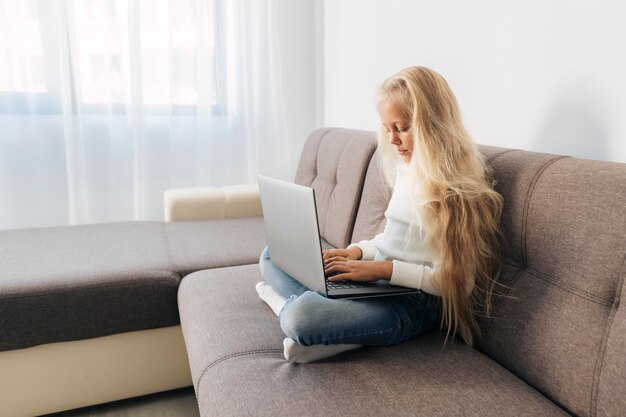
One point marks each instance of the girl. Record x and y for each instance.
(441, 235)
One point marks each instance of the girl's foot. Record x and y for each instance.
(271, 297)
(306, 354)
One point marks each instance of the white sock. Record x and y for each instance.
(306, 354)
(271, 297)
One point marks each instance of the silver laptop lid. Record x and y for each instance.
(292, 231)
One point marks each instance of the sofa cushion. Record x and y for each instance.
(568, 236)
(516, 173)
(234, 344)
(196, 245)
(68, 283)
(370, 217)
(609, 395)
(333, 163)
(78, 282)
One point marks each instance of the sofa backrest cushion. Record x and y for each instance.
(333, 162)
(609, 390)
(370, 218)
(566, 229)
(557, 322)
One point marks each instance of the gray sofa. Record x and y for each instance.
(556, 344)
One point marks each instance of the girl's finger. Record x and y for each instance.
(334, 264)
(334, 259)
(336, 267)
(339, 277)
(328, 254)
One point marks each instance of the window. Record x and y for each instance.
(21, 56)
(154, 52)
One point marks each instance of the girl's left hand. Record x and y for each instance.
(352, 270)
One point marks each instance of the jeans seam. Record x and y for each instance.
(420, 328)
(364, 334)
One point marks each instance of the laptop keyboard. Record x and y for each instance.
(346, 285)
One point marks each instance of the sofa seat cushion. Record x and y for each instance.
(68, 283)
(234, 344)
(78, 282)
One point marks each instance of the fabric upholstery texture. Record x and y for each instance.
(370, 218)
(68, 283)
(609, 394)
(238, 367)
(567, 244)
(333, 163)
(200, 245)
(71, 283)
(221, 315)
(516, 173)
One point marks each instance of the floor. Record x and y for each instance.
(177, 403)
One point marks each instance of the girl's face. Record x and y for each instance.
(398, 127)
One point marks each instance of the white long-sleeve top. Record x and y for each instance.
(403, 239)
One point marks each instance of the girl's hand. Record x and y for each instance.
(353, 253)
(354, 270)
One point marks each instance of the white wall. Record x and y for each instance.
(540, 75)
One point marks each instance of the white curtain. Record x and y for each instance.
(104, 104)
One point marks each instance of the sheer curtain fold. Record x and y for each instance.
(146, 96)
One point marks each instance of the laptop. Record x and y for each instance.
(295, 246)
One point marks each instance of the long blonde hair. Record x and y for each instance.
(454, 196)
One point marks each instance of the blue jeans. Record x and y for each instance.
(310, 318)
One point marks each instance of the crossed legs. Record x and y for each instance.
(317, 327)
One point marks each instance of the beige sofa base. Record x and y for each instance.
(67, 375)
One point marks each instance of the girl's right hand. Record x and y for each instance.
(353, 253)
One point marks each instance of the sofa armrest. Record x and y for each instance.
(204, 203)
